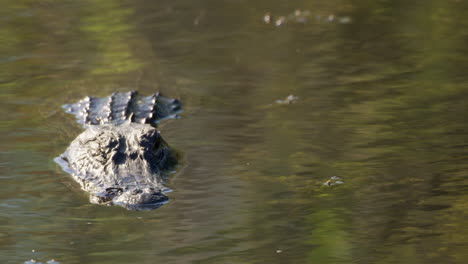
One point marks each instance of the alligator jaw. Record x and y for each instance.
(141, 200)
(135, 199)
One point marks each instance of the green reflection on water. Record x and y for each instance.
(106, 25)
(382, 104)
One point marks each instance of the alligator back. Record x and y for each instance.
(124, 106)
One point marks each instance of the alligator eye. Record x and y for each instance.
(157, 144)
(114, 191)
(137, 191)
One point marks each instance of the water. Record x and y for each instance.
(382, 101)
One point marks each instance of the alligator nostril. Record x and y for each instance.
(119, 158)
(137, 191)
(157, 198)
(134, 155)
(114, 191)
(157, 144)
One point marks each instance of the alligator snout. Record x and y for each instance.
(138, 199)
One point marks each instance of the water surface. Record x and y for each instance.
(382, 89)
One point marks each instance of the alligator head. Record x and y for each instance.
(122, 164)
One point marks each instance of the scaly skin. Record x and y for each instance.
(120, 164)
(121, 159)
(129, 106)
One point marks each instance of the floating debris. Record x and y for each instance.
(279, 251)
(32, 261)
(334, 180)
(280, 21)
(344, 20)
(267, 18)
(199, 18)
(291, 99)
(302, 17)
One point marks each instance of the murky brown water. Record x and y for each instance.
(382, 87)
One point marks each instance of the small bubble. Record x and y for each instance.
(290, 99)
(301, 16)
(267, 18)
(280, 21)
(344, 20)
(334, 180)
(32, 261)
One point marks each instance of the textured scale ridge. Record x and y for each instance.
(120, 102)
(124, 106)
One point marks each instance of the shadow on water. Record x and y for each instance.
(381, 104)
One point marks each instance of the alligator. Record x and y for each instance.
(120, 158)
